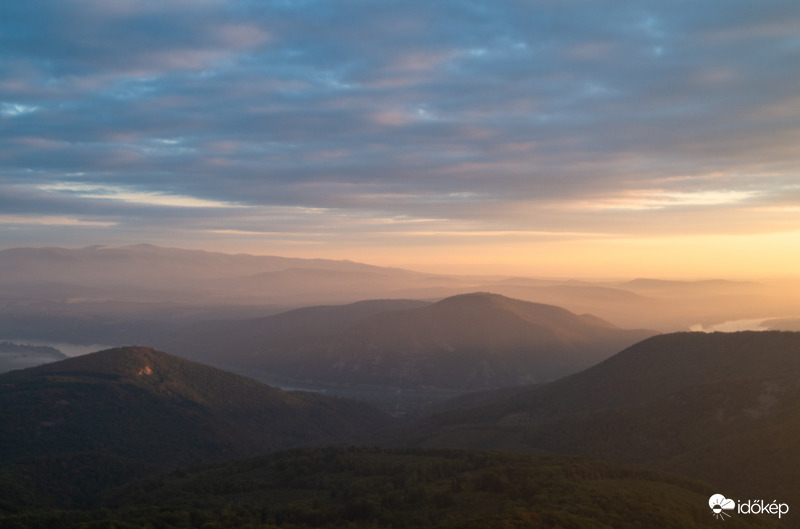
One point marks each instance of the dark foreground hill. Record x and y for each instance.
(351, 488)
(722, 407)
(465, 342)
(107, 416)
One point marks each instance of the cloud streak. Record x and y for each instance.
(463, 117)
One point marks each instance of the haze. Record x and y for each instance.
(565, 139)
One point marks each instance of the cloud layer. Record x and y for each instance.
(347, 123)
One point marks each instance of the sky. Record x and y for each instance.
(544, 138)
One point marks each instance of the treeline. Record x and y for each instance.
(372, 488)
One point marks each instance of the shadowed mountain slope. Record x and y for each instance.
(121, 400)
(464, 342)
(707, 405)
(138, 409)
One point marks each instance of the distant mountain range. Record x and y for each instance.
(142, 293)
(721, 407)
(150, 273)
(100, 265)
(465, 342)
(134, 409)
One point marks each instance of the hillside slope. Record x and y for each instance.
(722, 407)
(113, 400)
(465, 342)
(140, 409)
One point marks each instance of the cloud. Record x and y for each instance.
(459, 117)
(659, 199)
(16, 109)
(130, 195)
(51, 220)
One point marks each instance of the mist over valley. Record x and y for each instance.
(428, 369)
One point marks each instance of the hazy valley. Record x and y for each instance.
(579, 379)
(120, 295)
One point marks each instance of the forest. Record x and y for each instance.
(409, 488)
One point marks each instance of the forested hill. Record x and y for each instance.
(136, 409)
(466, 342)
(721, 407)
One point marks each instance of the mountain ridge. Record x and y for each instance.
(653, 367)
(140, 396)
(57, 261)
(468, 341)
(705, 405)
